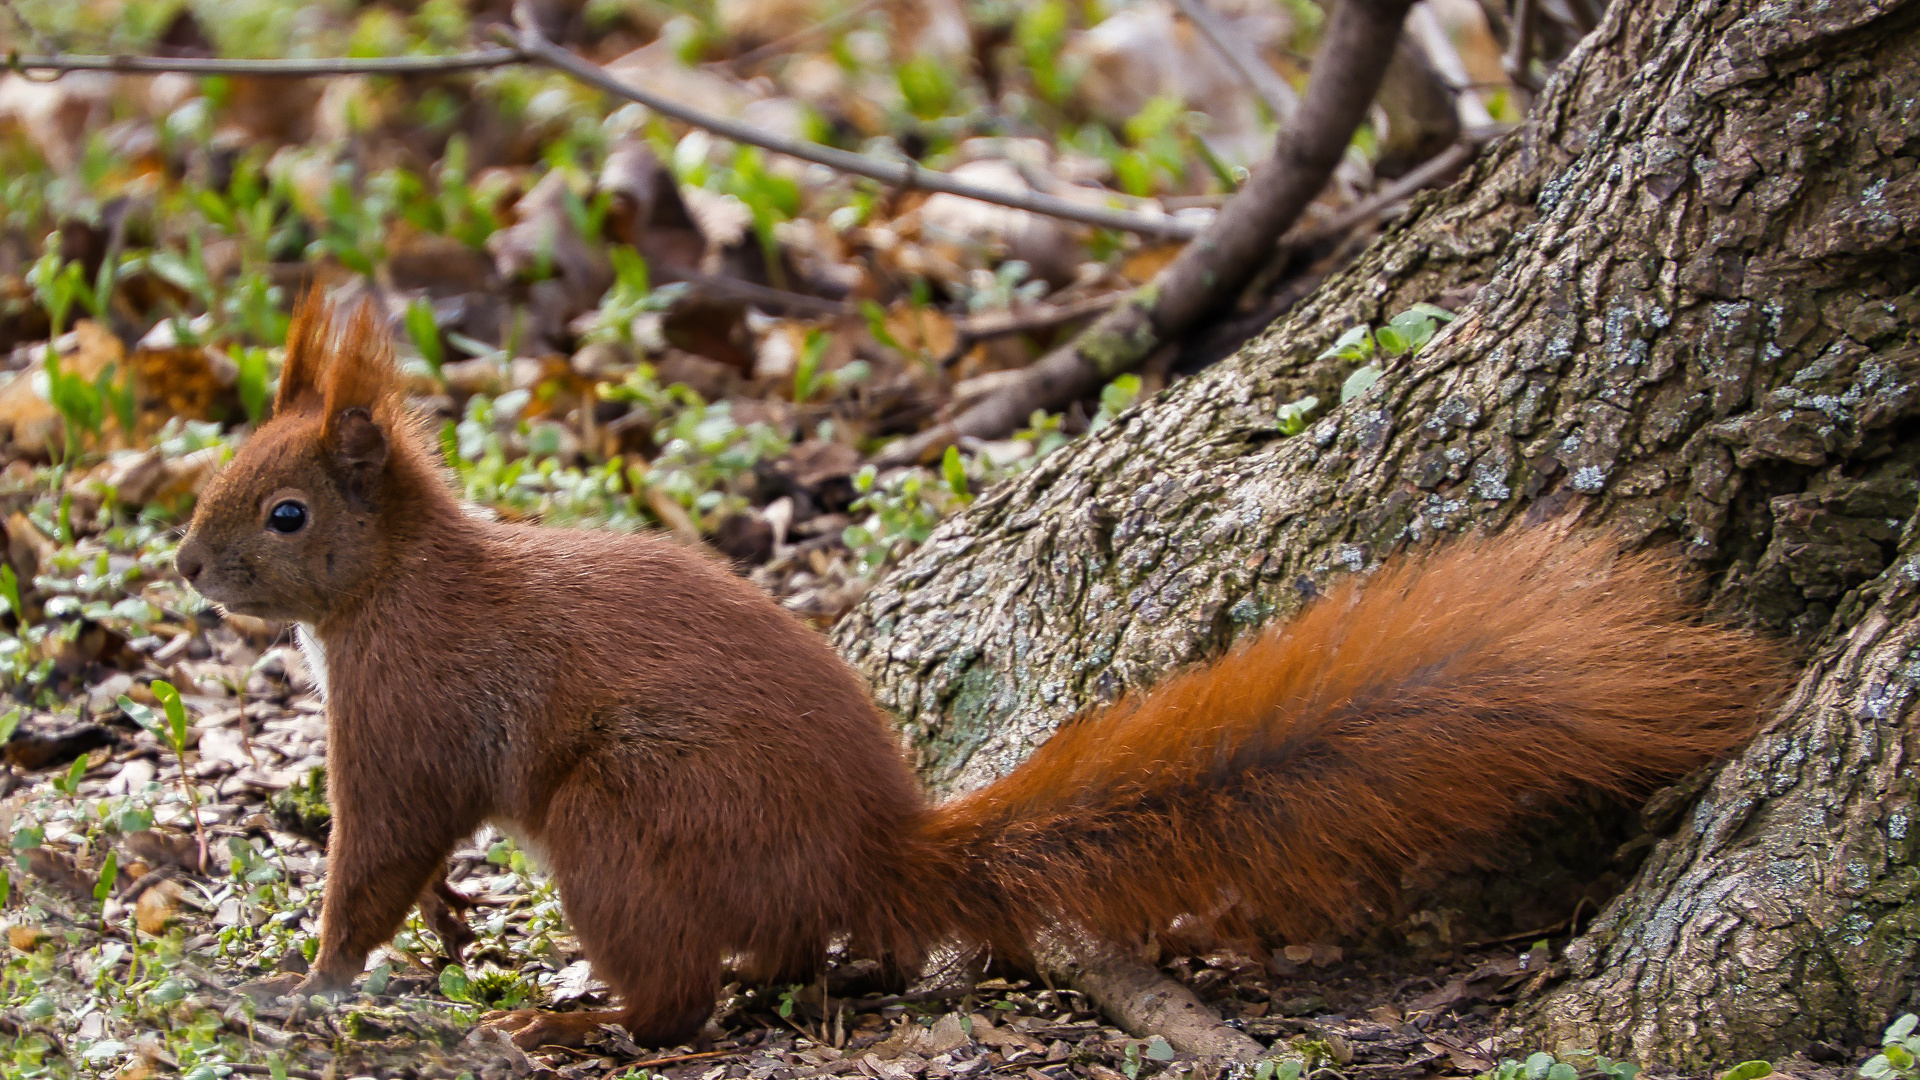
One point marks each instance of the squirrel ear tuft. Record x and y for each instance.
(307, 347)
(362, 400)
(361, 374)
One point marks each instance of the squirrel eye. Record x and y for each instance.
(287, 517)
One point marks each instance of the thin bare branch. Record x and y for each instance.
(748, 60)
(1213, 269)
(905, 174)
(1519, 56)
(1438, 169)
(1139, 997)
(276, 69)
(1426, 31)
(1023, 320)
(1266, 82)
(530, 46)
(760, 295)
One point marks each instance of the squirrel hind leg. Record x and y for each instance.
(646, 933)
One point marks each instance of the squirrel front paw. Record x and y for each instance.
(320, 981)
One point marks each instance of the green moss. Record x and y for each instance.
(302, 809)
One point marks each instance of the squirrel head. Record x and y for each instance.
(301, 524)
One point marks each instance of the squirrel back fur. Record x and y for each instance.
(707, 778)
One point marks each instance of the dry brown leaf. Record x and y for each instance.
(672, 514)
(56, 115)
(28, 549)
(922, 329)
(440, 265)
(25, 938)
(26, 416)
(157, 907)
(165, 847)
(187, 381)
(1140, 267)
(648, 213)
(141, 1067)
(29, 415)
(542, 242)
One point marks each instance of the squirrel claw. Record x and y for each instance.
(319, 982)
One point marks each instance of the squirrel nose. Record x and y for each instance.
(189, 562)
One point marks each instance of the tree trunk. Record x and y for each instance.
(1687, 296)
(1787, 912)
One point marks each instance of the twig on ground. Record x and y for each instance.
(1211, 270)
(761, 295)
(971, 331)
(1266, 82)
(904, 174)
(277, 69)
(890, 1000)
(1140, 999)
(248, 1069)
(1436, 170)
(702, 1056)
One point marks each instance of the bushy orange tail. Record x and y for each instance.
(1436, 701)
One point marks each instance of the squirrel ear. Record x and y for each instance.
(359, 448)
(306, 349)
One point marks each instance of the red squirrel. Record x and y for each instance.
(704, 777)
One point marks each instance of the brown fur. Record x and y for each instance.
(705, 777)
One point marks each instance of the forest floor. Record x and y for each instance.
(130, 956)
(136, 958)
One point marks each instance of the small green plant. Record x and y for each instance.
(1115, 397)
(1287, 1068)
(631, 295)
(809, 380)
(1292, 417)
(302, 808)
(928, 87)
(1403, 335)
(424, 331)
(171, 727)
(1157, 1049)
(1899, 1054)
(10, 592)
(1575, 1066)
(252, 381)
(903, 509)
(1040, 34)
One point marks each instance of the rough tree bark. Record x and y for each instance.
(1687, 295)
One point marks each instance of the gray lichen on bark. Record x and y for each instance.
(1694, 292)
(1788, 909)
